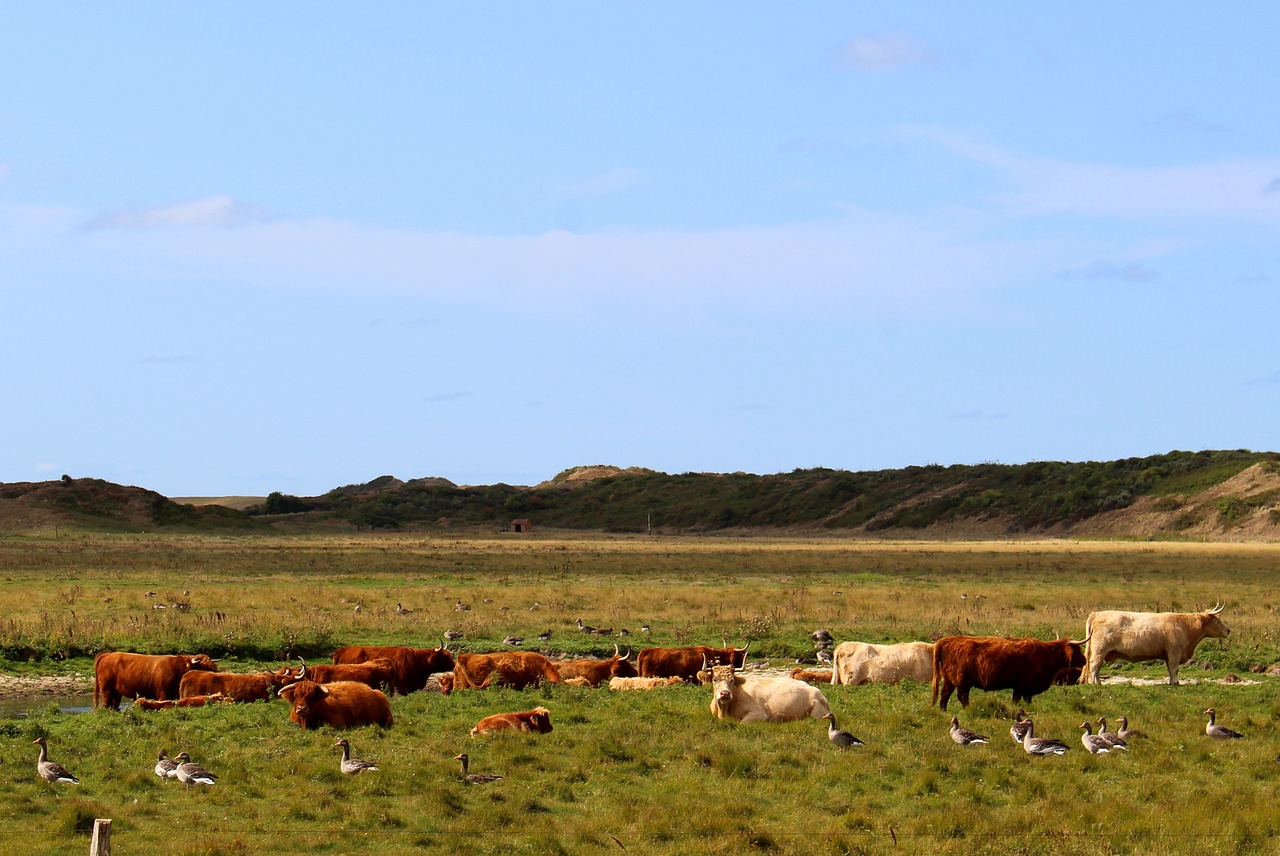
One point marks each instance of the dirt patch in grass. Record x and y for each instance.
(12, 686)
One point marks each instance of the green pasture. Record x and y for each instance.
(638, 772)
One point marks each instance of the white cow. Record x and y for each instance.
(1141, 636)
(764, 699)
(858, 663)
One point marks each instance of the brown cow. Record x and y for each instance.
(193, 701)
(445, 680)
(346, 704)
(119, 674)
(412, 666)
(378, 673)
(1026, 666)
(596, 672)
(517, 669)
(536, 721)
(812, 676)
(685, 662)
(237, 687)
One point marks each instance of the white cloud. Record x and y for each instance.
(886, 51)
(206, 211)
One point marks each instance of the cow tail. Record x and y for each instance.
(1088, 649)
(936, 671)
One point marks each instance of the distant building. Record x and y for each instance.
(521, 526)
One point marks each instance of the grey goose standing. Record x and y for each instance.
(352, 766)
(1041, 745)
(51, 771)
(1219, 731)
(843, 739)
(965, 736)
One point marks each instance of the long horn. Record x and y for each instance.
(627, 656)
(743, 649)
(616, 650)
(1083, 641)
(1221, 606)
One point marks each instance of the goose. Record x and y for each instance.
(459, 606)
(1019, 728)
(51, 771)
(453, 635)
(1219, 731)
(166, 768)
(1095, 743)
(190, 773)
(1115, 741)
(400, 610)
(585, 628)
(513, 640)
(545, 636)
(644, 628)
(359, 607)
(352, 766)
(964, 736)
(824, 656)
(1041, 745)
(1125, 732)
(843, 739)
(473, 778)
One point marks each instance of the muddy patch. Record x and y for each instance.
(50, 686)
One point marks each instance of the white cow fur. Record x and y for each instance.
(764, 699)
(857, 663)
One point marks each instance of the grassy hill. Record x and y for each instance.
(1210, 494)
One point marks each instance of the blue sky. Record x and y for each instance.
(291, 246)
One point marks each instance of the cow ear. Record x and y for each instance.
(324, 690)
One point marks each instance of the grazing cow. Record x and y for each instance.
(536, 721)
(118, 674)
(1140, 636)
(685, 662)
(445, 681)
(1026, 666)
(858, 663)
(412, 666)
(191, 701)
(764, 699)
(517, 669)
(596, 672)
(811, 676)
(237, 687)
(378, 673)
(644, 683)
(346, 704)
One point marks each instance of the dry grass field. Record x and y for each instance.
(646, 772)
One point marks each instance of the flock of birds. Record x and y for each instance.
(183, 769)
(1023, 733)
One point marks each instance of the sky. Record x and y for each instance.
(252, 247)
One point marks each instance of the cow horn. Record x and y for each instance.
(743, 649)
(616, 650)
(1221, 606)
(1083, 641)
(704, 662)
(627, 656)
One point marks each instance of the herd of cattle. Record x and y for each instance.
(352, 691)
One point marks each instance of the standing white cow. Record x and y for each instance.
(859, 663)
(764, 699)
(1141, 636)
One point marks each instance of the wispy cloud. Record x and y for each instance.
(1273, 186)
(613, 181)
(883, 52)
(1188, 122)
(206, 211)
(1100, 269)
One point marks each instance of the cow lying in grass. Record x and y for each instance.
(644, 683)
(536, 721)
(346, 704)
(764, 699)
(190, 701)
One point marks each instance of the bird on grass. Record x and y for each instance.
(1019, 728)
(1041, 745)
(964, 736)
(1113, 739)
(545, 636)
(474, 778)
(843, 739)
(513, 640)
(352, 766)
(400, 610)
(51, 771)
(166, 767)
(452, 635)
(190, 773)
(1219, 731)
(1095, 743)
(1126, 733)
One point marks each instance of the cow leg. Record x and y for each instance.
(963, 695)
(1172, 665)
(947, 689)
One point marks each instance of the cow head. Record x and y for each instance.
(303, 695)
(202, 663)
(540, 720)
(621, 665)
(1212, 626)
(723, 685)
(284, 676)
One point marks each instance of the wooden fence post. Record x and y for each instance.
(101, 844)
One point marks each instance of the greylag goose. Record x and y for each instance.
(1219, 731)
(352, 766)
(843, 739)
(545, 636)
(51, 771)
(1126, 733)
(190, 773)
(1019, 728)
(1095, 743)
(964, 736)
(474, 778)
(1114, 740)
(452, 635)
(513, 640)
(1041, 745)
(585, 628)
(166, 767)
(400, 610)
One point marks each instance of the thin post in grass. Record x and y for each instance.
(101, 843)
